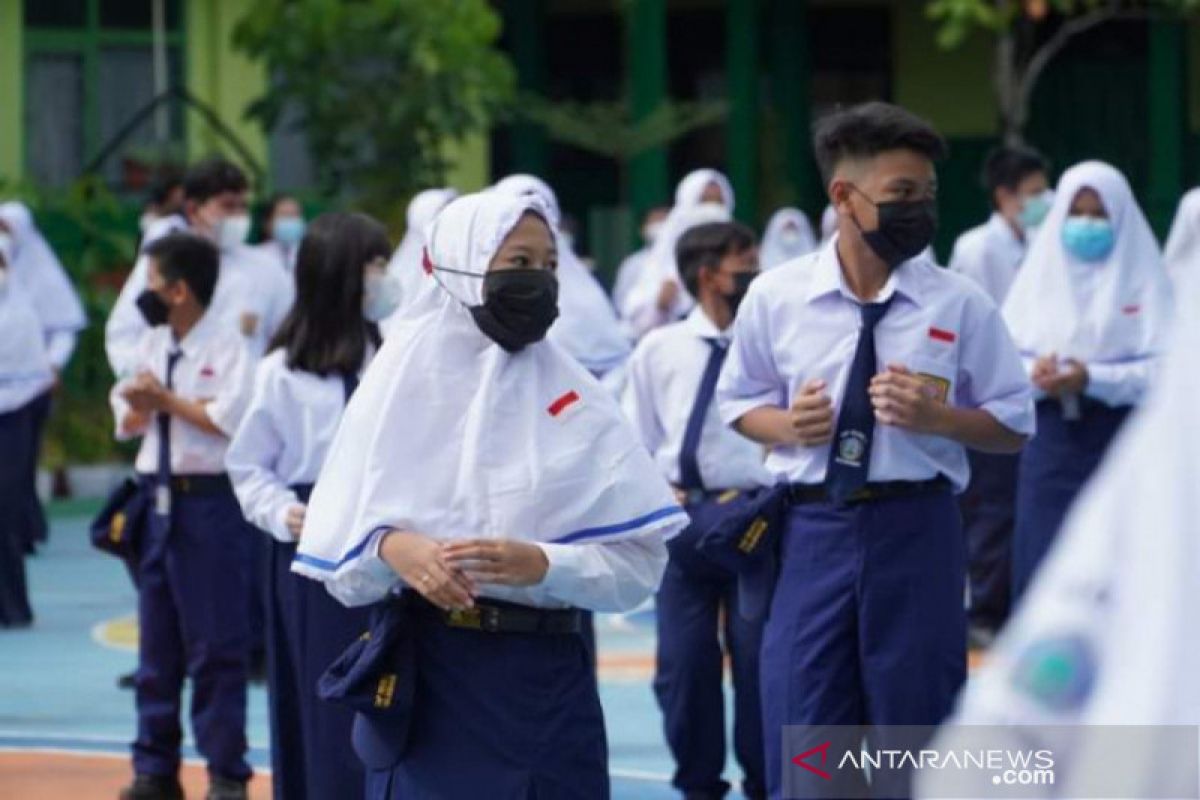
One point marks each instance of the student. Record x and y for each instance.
(165, 200)
(789, 235)
(587, 326)
(40, 275)
(406, 262)
(1089, 311)
(25, 373)
(659, 298)
(672, 376)
(282, 229)
(252, 295)
(485, 475)
(185, 396)
(1106, 635)
(300, 390)
(1016, 179)
(631, 269)
(868, 371)
(1182, 253)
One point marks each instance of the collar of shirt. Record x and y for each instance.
(1003, 233)
(828, 278)
(195, 339)
(699, 323)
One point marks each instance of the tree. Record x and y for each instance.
(1029, 34)
(378, 86)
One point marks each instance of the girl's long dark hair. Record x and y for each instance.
(325, 331)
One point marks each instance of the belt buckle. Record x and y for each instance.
(860, 495)
(183, 485)
(469, 618)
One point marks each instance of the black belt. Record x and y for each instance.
(802, 493)
(193, 484)
(497, 616)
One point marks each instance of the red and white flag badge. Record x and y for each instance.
(564, 405)
(1131, 310)
(943, 335)
(207, 372)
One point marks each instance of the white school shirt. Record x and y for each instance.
(282, 440)
(990, 255)
(800, 322)
(215, 367)
(664, 377)
(279, 254)
(25, 366)
(628, 276)
(252, 297)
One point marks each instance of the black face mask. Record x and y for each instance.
(154, 309)
(905, 229)
(741, 285)
(519, 306)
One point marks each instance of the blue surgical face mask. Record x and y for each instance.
(289, 230)
(1088, 238)
(1034, 210)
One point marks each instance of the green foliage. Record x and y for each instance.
(380, 85)
(610, 130)
(93, 234)
(957, 19)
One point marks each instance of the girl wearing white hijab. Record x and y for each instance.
(37, 270)
(1182, 254)
(25, 373)
(486, 478)
(660, 296)
(789, 235)
(587, 325)
(1089, 310)
(1106, 636)
(405, 265)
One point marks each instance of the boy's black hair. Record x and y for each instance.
(706, 245)
(866, 130)
(161, 189)
(325, 332)
(1006, 166)
(186, 257)
(212, 177)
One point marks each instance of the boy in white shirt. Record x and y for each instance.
(186, 396)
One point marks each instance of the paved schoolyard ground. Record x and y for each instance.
(65, 727)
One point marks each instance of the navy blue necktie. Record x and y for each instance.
(689, 466)
(162, 496)
(850, 453)
(349, 384)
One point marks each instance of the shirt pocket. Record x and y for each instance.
(939, 377)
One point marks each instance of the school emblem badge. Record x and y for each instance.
(851, 447)
(935, 387)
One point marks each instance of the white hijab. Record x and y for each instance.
(1122, 584)
(776, 248)
(39, 272)
(587, 326)
(1124, 314)
(688, 212)
(1182, 254)
(25, 370)
(406, 262)
(453, 437)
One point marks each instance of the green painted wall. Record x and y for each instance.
(221, 77)
(12, 115)
(951, 88)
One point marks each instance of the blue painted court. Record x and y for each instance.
(59, 677)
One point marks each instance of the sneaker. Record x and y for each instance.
(153, 787)
(225, 789)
